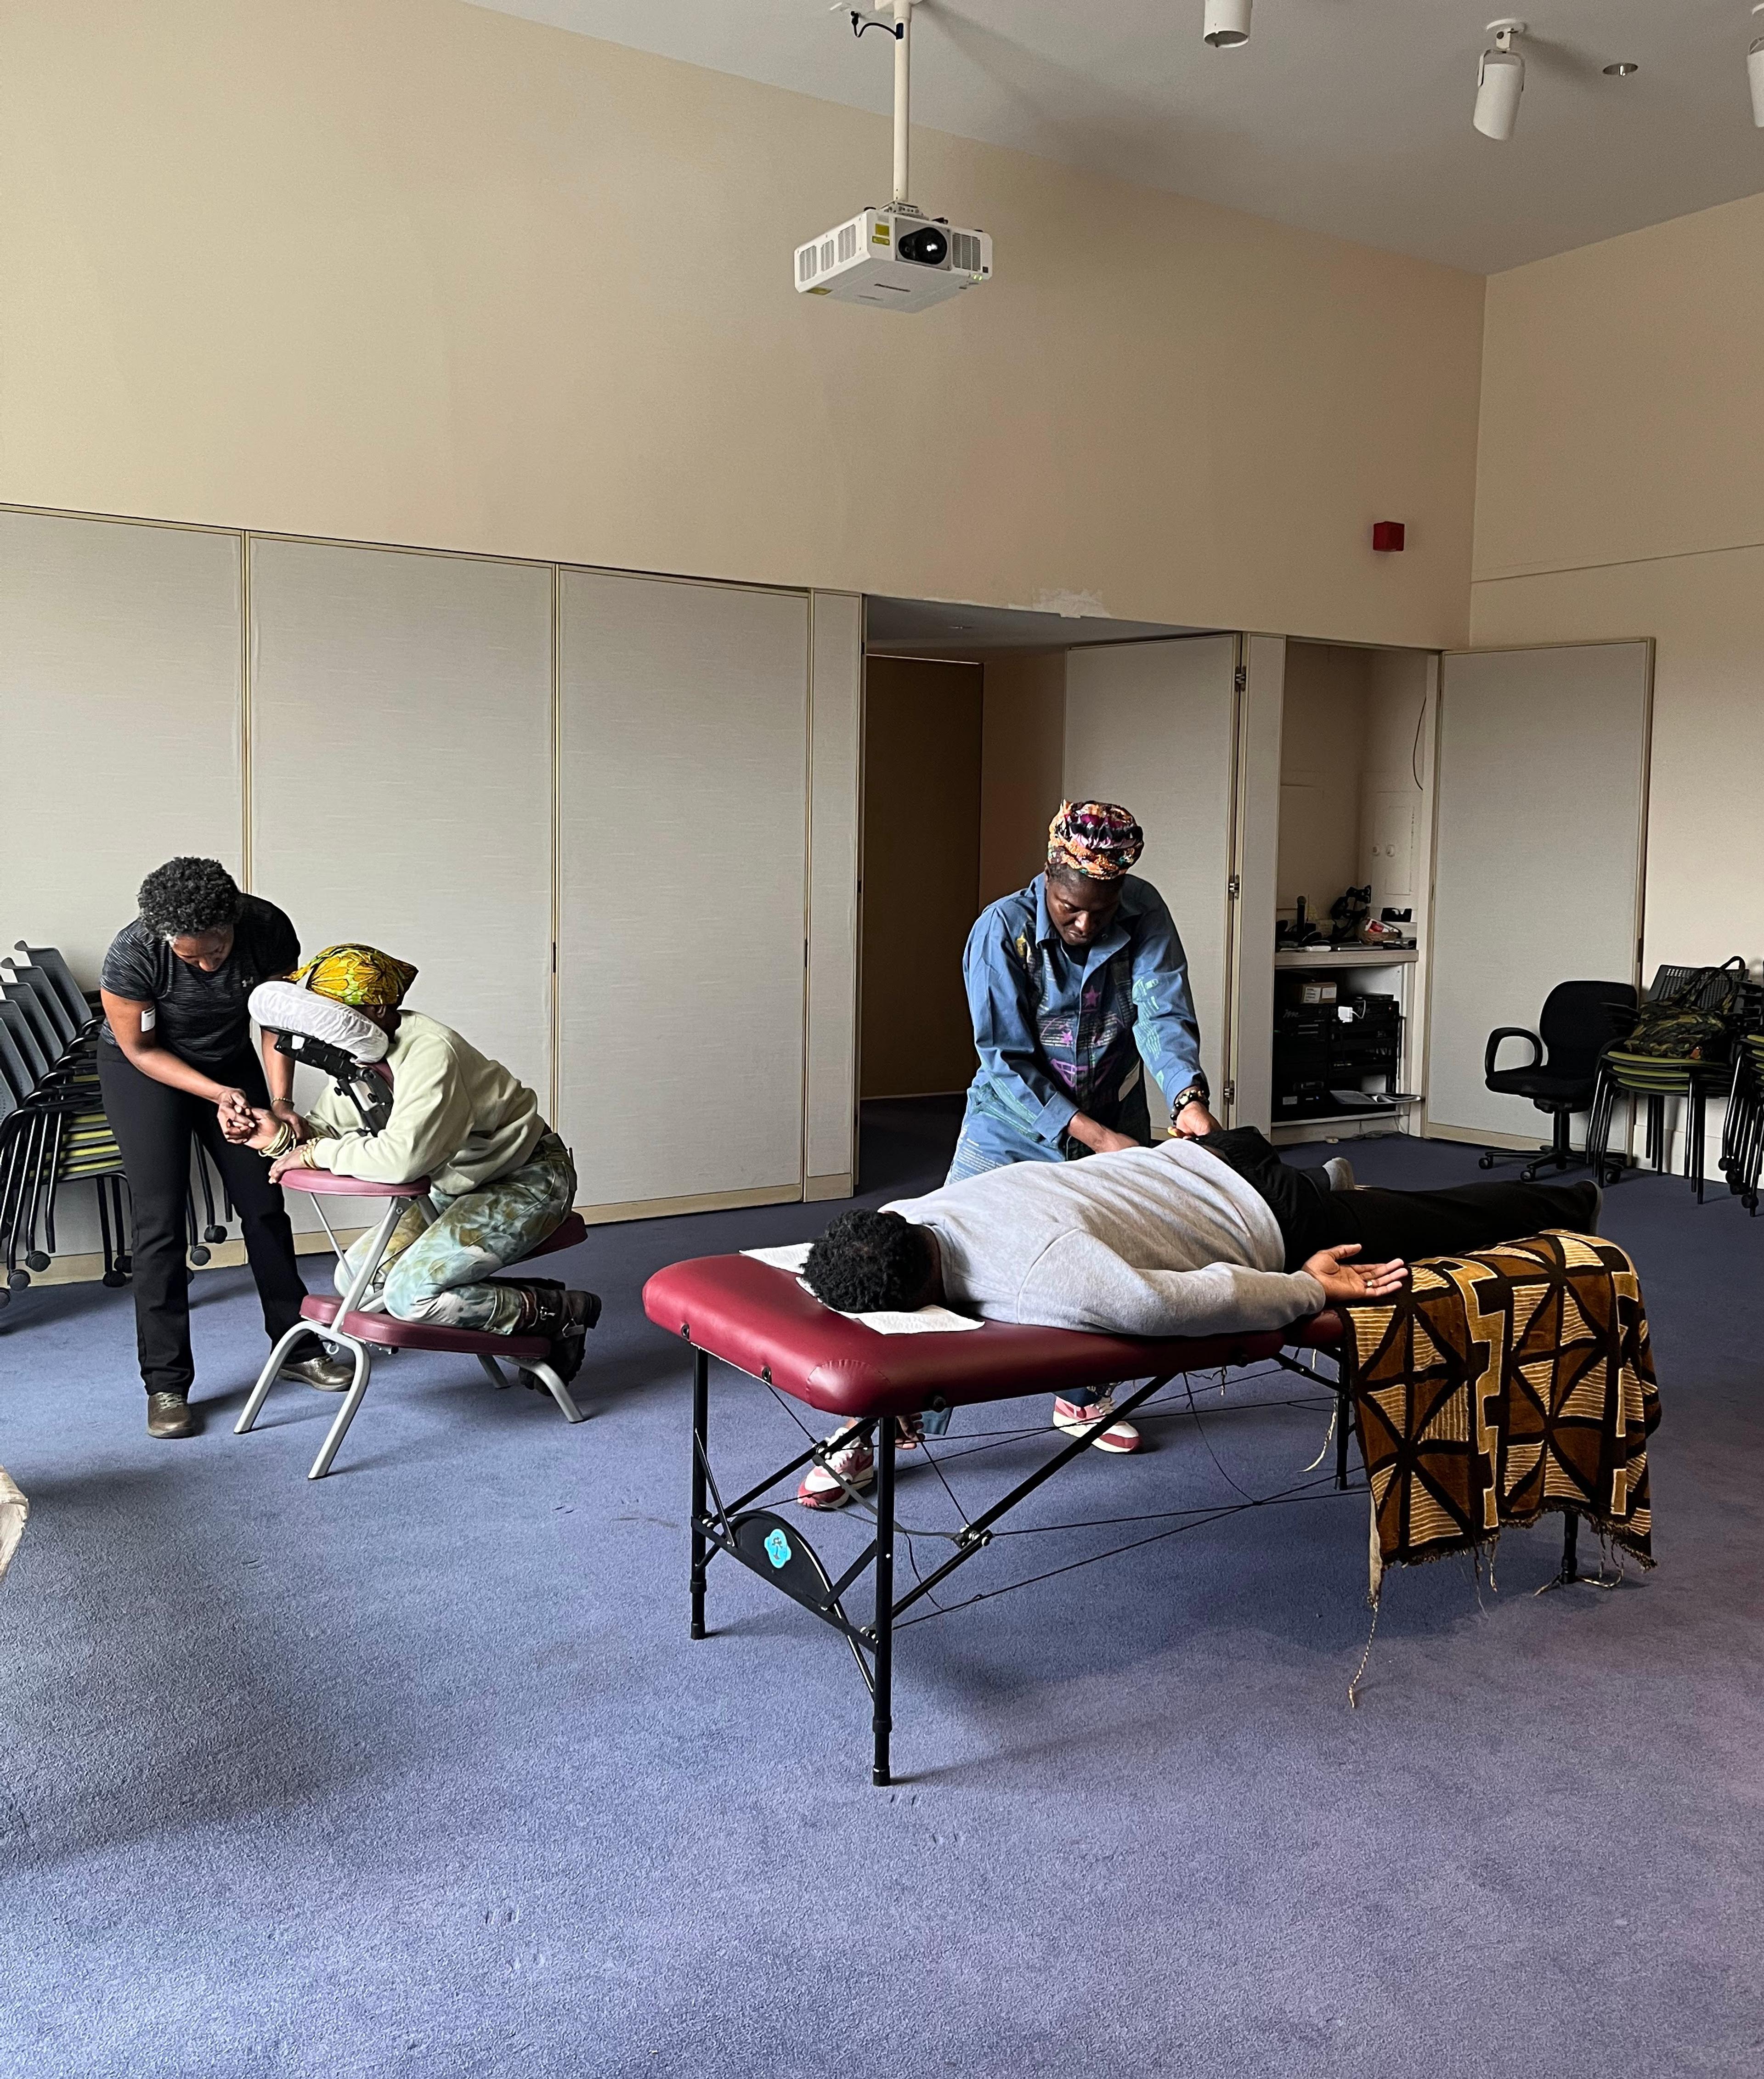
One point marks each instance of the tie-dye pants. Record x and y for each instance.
(439, 1272)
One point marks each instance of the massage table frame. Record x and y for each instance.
(358, 1325)
(845, 1369)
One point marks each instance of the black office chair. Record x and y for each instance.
(1579, 1020)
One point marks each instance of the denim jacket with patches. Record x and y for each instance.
(1056, 1030)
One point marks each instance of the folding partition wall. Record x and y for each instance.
(119, 719)
(1153, 724)
(613, 820)
(1542, 795)
(401, 773)
(683, 774)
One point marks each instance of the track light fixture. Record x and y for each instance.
(1226, 24)
(1754, 64)
(1500, 81)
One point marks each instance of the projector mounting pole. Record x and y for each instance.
(903, 96)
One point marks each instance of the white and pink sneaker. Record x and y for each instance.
(830, 1485)
(1075, 1418)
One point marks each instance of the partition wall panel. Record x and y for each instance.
(683, 809)
(836, 720)
(120, 666)
(1541, 799)
(401, 774)
(1151, 725)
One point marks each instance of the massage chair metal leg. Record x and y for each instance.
(547, 1377)
(1344, 1426)
(345, 1415)
(272, 1368)
(701, 1447)
(882, 1715)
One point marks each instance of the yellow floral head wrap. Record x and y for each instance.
(361, 975)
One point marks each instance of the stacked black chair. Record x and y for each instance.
(1579, 1020)
(1652, 1079)
(1742, 1141)
(52, 1128)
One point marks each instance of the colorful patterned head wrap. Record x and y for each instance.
(1098, 840)
(358, 975)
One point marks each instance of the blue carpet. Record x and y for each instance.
(414, 1771)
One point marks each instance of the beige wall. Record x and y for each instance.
(413, 271)
(1621, 493)
(922, 793)
(1022, 752)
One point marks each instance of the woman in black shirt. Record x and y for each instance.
(175, 1056)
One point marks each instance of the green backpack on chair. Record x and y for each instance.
(1695, 1023)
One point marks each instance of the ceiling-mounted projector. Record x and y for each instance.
(893, 260)
(897, 258)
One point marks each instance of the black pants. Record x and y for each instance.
(1397, 1223)
(152, 1123)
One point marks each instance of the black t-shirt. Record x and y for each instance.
(202, 1017)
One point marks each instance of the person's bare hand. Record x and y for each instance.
(291, 1161)
(1194, 1122)
(264, 1126)
(1100, 1139)
(1342, 1281)
(234, 1105)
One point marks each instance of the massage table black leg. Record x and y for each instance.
(1570, 1571)
(882, 1720)
(1344, 1425)
(700, 1446)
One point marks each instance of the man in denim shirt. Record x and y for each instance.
(1077, 985)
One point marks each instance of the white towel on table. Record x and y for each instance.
(792, 1256)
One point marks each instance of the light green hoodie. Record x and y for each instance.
(458, 1118)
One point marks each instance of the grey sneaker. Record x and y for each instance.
(330, 1374)
(1339, 1172)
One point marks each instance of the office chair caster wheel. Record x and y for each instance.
(125, 1264)
(20, 1280)
(198, 1256)
(1485, 1162)
(214, 1234)
(36, 1260)
(1527, 1175)
(113, 1278)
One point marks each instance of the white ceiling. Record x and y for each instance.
(1348, 116)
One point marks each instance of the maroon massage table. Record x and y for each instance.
(761, 1321)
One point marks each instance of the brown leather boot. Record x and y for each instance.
(171, 1415)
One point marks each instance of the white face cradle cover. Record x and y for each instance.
(284, 1006)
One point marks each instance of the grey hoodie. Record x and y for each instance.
(1153, 1241)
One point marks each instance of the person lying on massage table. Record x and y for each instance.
(1189, 1238)
(501, 1179)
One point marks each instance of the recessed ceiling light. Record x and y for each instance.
(1621, 70)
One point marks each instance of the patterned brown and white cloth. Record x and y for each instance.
(1498, 1387)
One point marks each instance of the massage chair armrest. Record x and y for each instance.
(1511, 1032)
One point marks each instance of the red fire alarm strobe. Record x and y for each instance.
(1386, 535)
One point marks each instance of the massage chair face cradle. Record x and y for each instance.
(368, 1086)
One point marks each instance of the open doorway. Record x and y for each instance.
(965, 758)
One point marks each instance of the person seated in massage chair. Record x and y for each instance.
(501, 1179)
(1186, 1238)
